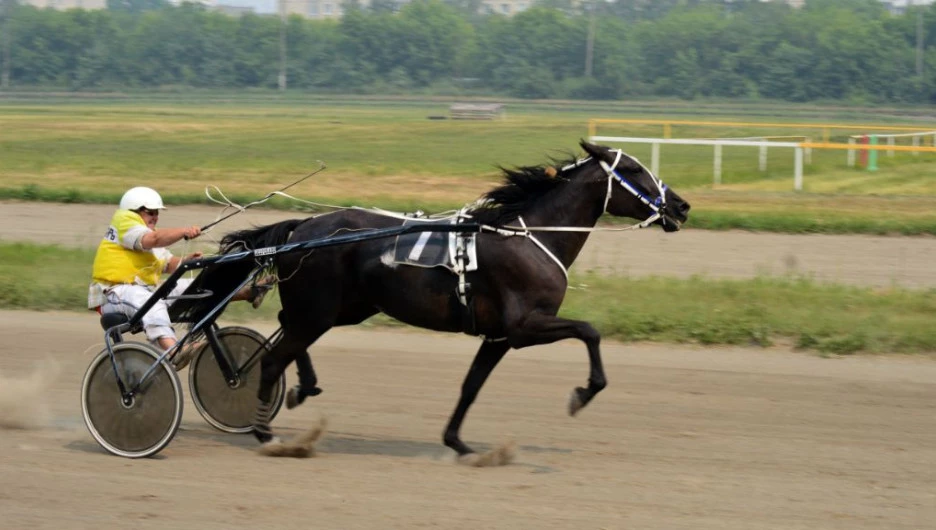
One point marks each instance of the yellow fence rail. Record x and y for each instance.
(825, 128)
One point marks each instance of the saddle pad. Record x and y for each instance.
(434, 249)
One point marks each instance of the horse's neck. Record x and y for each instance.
(579, 210)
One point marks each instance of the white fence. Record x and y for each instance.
(915, 142)
(763, 145)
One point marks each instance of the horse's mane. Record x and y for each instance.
(523, 186)
(259, 237)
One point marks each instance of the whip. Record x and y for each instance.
(260, 201)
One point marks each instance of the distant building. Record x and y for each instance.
(314, 9)
(894, 6)
(234, 11)
(320, 9)
(66, 4)
(209, 4)
(504, 7)
(900, 6)
(62, 5)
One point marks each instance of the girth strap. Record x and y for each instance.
(461, 261)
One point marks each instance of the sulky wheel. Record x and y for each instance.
(133, 426)
(231, 407)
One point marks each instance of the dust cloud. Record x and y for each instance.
(24, 399)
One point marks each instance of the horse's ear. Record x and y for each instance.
(592, 149)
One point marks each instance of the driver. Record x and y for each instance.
(130, 261)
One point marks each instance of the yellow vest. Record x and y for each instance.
(115, 264)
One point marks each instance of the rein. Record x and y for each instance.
(656, 205)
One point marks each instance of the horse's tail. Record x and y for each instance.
(265, 236)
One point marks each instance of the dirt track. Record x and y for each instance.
(683, 437)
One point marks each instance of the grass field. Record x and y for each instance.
(388, 153)
(826, 318)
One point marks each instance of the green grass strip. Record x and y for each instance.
(827, 318)
(883, 223)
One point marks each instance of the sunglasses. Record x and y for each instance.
(153, 213)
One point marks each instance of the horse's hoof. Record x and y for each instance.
(499, 456)
(296, 395)
(294, 398)
(576, 403)
(302, 446)
(263, 433)
(274, 447)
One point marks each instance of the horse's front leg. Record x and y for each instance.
(272, 366)
(489, 354)
(308, 382)
(541, 328)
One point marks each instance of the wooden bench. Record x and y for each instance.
(476, 111)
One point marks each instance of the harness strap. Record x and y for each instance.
(459, 266)
(544, 249)
(463, 285)
(610, 171)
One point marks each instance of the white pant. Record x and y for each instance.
(128, 298)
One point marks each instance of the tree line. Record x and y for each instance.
(851, 50)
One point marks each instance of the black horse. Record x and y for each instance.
(514, 294)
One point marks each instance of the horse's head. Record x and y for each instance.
(633, 191)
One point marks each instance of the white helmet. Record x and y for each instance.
(141, 197)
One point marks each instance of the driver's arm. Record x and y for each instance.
(163, 237)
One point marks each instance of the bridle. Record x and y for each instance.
(657, 205)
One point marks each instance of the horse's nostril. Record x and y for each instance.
(684, 208)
